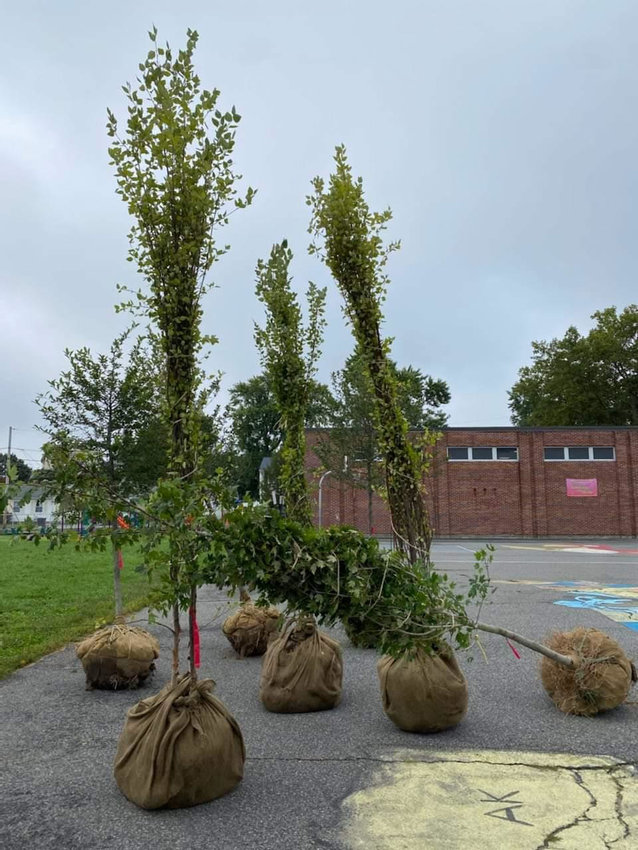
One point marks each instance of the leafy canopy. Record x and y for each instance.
(255, 429)
(582, 380)
(21, 470)
(103, 414)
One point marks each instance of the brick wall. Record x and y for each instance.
(526, 497)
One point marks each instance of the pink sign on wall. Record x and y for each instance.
(582, 486)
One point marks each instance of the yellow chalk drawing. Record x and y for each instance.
(488, 800)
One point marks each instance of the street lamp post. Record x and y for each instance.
(320, 506)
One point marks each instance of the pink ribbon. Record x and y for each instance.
(120, 560)
(195, 648)
(513, 648)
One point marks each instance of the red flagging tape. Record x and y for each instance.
(195, 637)
(513, 648)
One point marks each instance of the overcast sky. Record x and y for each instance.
(501, 132)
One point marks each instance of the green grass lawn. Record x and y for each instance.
(48, 599)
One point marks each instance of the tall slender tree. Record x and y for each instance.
(176, 175)
(349, 240)
(289, 353)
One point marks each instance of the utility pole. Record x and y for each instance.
(5, 513)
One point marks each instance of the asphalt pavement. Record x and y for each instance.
(58, 741)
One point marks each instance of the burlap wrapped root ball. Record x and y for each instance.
(302, 671)
(118, 656)
(601, 679)
(423, 693)
(179, 748)
(250, 628)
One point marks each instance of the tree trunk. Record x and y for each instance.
(192, 619)
(117, 582)
(176, 631)
(565, 660)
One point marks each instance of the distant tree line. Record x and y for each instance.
(581, 379)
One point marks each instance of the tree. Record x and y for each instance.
(421, 398)
(175, 173)
(582, 380)
(349, 240)
(255, 430)
(352, 445)
(22, 470)
(105, 438)
(289, 353)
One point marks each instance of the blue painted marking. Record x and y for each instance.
(606, 604)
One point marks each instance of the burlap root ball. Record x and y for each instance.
(179, 748)
(250, 628)
(118, 656)
(601, 680)
(425, 693)
(302, 671)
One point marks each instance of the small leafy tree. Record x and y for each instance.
(96, 413)
(175, 173)
(349, 240)
(289, 355)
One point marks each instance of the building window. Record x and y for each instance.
(16, 506)
(579, 453)
(482, 453)
(38, 507)
(454, 453)
(506, 453)
(552, 453)
(603, 452)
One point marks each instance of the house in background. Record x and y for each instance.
(40, 509)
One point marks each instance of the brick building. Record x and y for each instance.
(523, 482)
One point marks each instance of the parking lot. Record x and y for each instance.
(348, 778)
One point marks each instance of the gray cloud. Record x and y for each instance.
(502, 134)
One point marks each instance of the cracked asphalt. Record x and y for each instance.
(515, 773)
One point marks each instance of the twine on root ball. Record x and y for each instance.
(600, 679)
(250, 628)
(118, 656)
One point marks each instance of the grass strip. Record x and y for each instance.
(48, 599)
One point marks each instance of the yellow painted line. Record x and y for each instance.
(529, 581)
(576, 587)
(488, 800)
